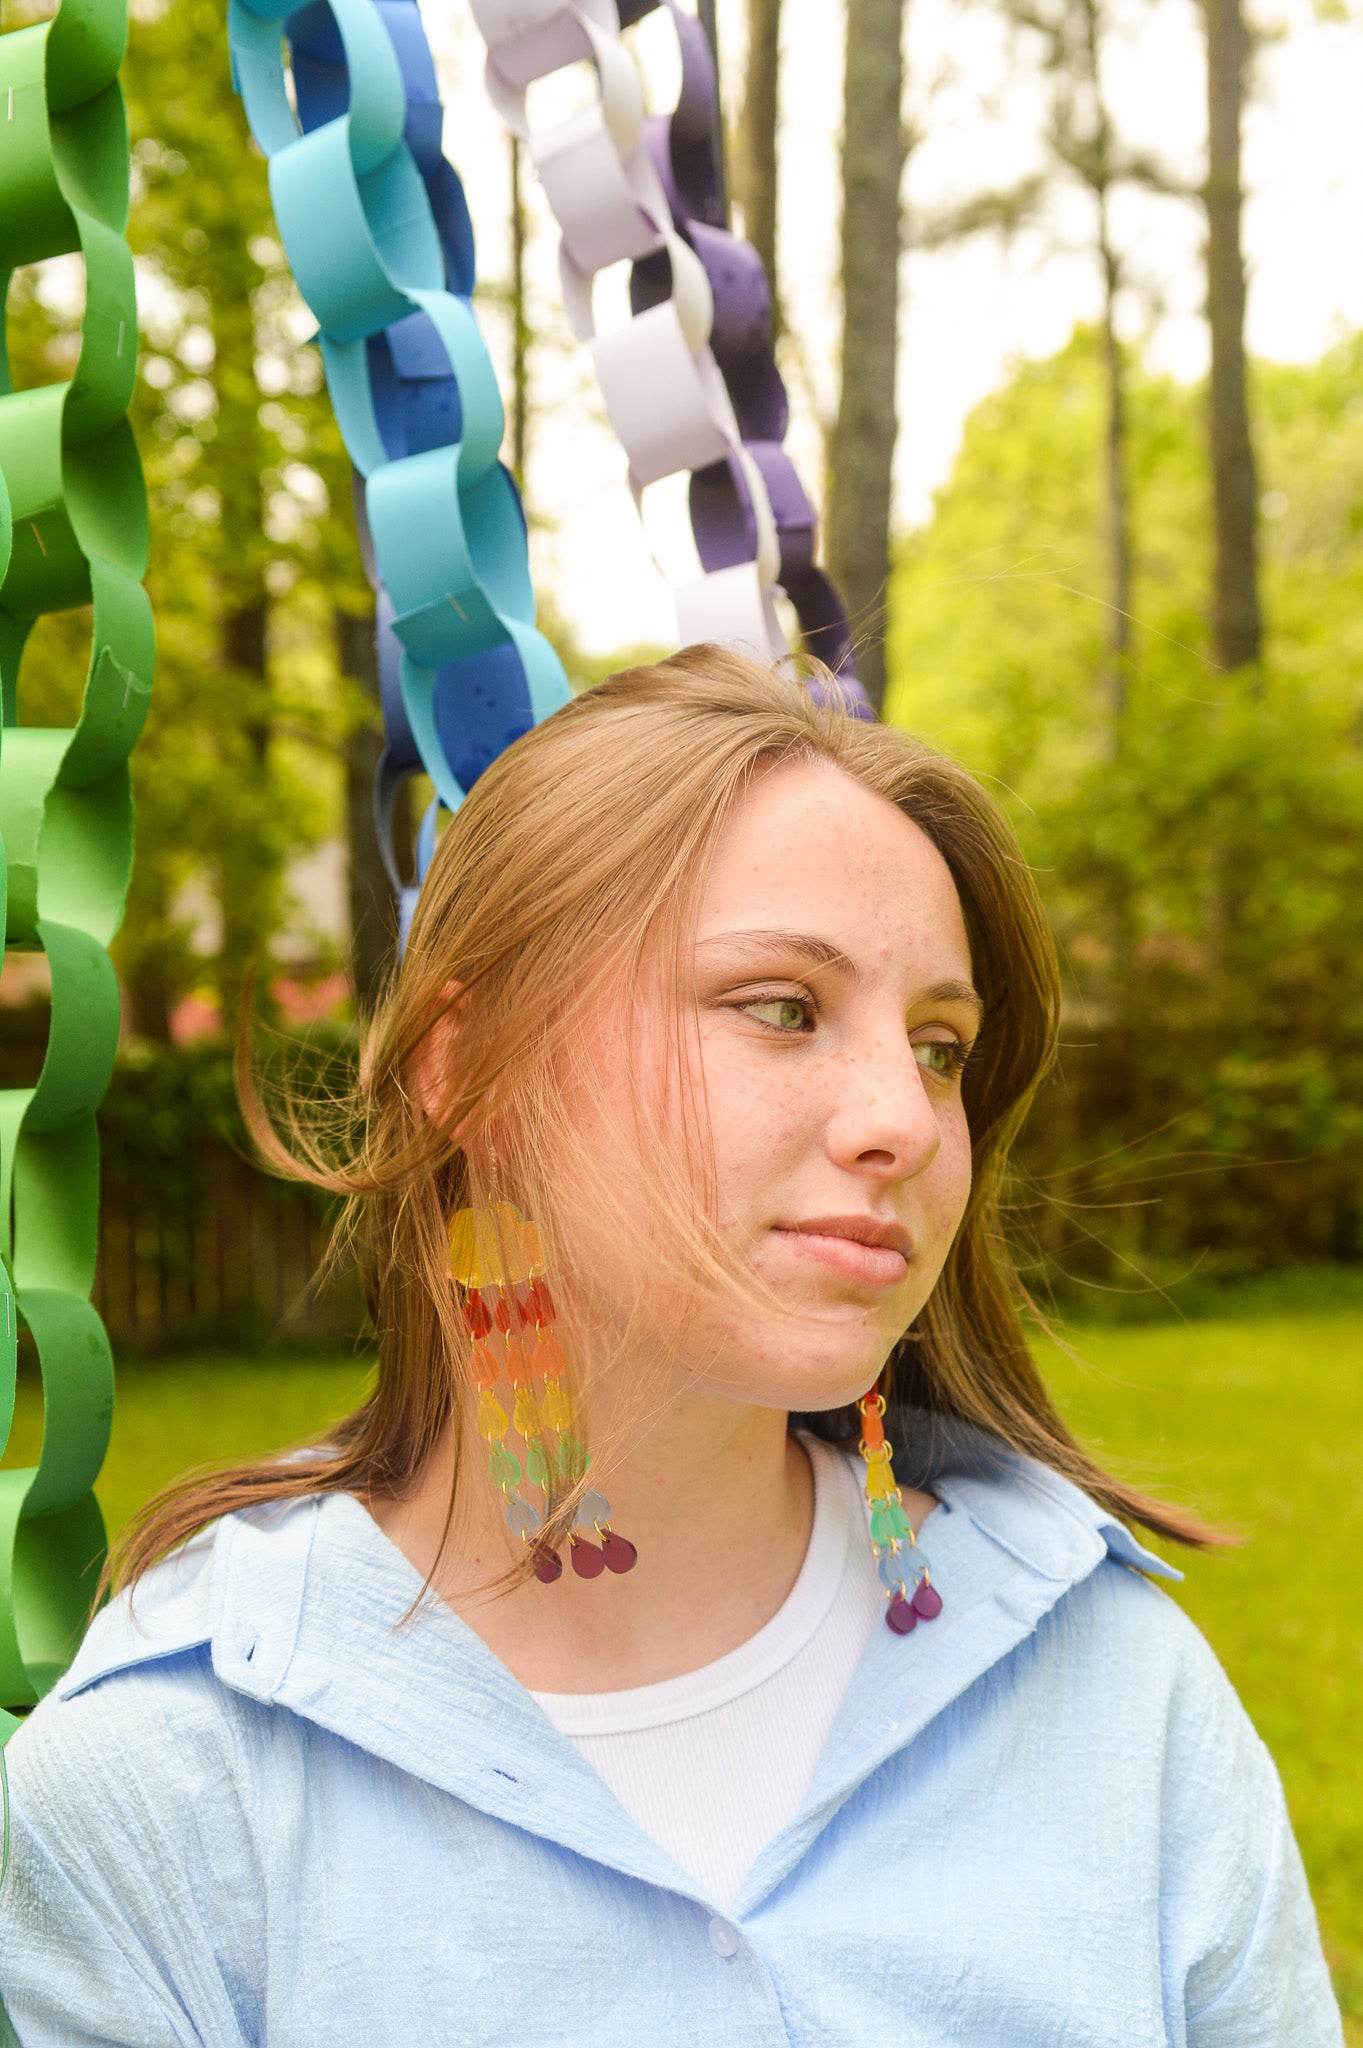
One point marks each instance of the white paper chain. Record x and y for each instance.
(662, 388)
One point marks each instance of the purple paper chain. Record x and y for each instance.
(685, 149)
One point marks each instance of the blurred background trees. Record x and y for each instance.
(1207, 1114)
(1136, 608)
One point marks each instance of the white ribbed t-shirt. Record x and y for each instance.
(713, 1764)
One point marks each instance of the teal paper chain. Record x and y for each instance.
(74, 533)
(356, 219)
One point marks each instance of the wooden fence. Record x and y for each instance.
(205, 1250)
(196, 1247)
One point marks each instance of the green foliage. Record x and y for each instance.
(253, 534)
(1203, 867)
(163, 1100)
(253, 541)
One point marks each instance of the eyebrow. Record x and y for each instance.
(954, 992)
(816, 951)
(822, 953)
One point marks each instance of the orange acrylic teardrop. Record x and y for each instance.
(519, 1365)
(547, 1360)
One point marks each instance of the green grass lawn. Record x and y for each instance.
(1259, 1423)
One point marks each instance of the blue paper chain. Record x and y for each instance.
(376, 229)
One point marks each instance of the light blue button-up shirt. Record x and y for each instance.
(258, 1811)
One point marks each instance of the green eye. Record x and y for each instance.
(945, 1057)
(786, 1013)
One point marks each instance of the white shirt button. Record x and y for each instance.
(723, 1938)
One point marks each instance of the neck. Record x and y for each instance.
(718, 1499)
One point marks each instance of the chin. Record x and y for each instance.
(819, 1379)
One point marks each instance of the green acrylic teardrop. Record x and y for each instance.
(570, 1460)
(503, 1466)
(537, 1466)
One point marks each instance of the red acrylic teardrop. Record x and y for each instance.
(619, 1553)
(477, 1316)
(588, 1561)
(549, 1567)
(927, 1602)
(539, 1303)
(900, 1616)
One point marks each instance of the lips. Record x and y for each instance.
(859, 1247)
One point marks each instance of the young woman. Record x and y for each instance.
(602, 1680)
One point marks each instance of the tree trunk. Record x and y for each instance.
(861, 456)
(1097, 154)
(520, 324)
(757, 140)
(147, 985)
(1118, 502)
(1236, 622)
(246, 877)
(244, 629)
(373, 925)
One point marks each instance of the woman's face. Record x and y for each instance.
(835, 1011)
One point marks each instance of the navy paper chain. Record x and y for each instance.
(686, 149)
(376, 228)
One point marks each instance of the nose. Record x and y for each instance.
(884, 1124)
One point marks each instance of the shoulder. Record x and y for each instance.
(1113, 1666)
(1106, 1617)
(1132, 1734)
(154, 1694)
(135, 1776)
(136, 1807)
(141, 1706)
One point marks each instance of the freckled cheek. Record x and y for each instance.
(947, 1182)
(759, 1125)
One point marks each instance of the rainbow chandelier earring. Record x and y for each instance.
(901, 1565)
(509, 1314)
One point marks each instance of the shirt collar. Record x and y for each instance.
(306, 1605)
(1008, 1540)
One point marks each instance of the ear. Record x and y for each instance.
(433, 1063)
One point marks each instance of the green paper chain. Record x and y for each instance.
(74, 532)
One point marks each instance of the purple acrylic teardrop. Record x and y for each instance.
(900, 1616)
(619, 1553)
(927, 1602)
(548, 1567)
(588, 1561)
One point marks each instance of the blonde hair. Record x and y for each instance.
(580, 849)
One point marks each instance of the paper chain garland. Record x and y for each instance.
(73, 532)
(687, 151)
(375, 226)
(691, 382)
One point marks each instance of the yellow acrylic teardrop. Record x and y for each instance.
(490, 1248)
(526, 1415)
(880, 1481)
(491, 1417)
(466, 1263)
(556, 1408)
